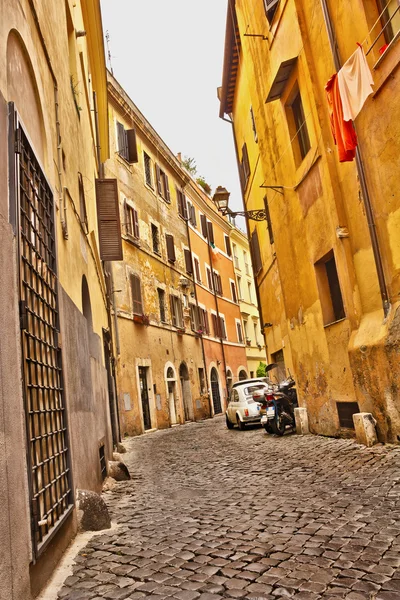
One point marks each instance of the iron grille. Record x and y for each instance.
(48, 453)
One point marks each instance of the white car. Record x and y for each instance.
(242, 408)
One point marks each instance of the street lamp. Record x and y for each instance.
(221, 201)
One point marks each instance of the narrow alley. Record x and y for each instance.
(212, 513)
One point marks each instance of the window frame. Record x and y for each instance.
(135, 301)
(147, 159)
(155, 239)
(162, 305)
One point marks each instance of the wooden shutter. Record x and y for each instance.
(239, 333)
(170, 247)
(197, 269)
(209, 279)
(234, 294)
(122, 141)
(188, 261)
(173, 309)
(135, 223)
(206, 323)
(210, 232)
(132, 146)
(215, 325)
(158, 178)
(203, 223)
(218, 283)
(255, 251)
(192, 215)
(228, 246)
(128, 227)
(137, 304)
(108, 220)
(166, 185)
(222, 328)
(179, 200)
(246, 164)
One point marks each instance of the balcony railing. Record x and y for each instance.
(387, 28)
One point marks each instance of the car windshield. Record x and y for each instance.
(253, 388)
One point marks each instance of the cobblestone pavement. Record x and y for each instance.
(212, 513)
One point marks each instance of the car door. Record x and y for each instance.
(233, 406)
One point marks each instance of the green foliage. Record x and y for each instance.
(190, 165)
(261, 372)
(203, 184)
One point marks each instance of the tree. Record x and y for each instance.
(261, 370)
(190, 165)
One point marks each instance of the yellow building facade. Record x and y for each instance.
(326, 260)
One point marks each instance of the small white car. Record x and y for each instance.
(242, 408)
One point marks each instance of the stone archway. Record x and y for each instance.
(242, 375)
(229, 381)
(170, 381)
(186, 392)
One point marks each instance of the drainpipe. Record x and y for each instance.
(197, 304)
(216, 307)
(230, 121)
(361, 174)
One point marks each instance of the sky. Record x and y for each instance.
(168, 56)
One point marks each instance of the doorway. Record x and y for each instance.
(242, 375)
(186, 392)
(216, 396)
(144, 393)
(171, 386)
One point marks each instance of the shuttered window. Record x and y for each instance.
(239, 333)
(228, 246)
(170, 247)
(148, 170)
(127, 145)
(255, 251)
(182, 204)
(215, 323)
(233, 290)
(108, 220)
(161, 304)
(131, 221)
(162, 184)
(188, 261)
(203, 320)
(155, 238)
(210, 232)
(191, 211)
(176, 311)
(209, 279)
(217, 284)
(245, 166)
(203, 224)
(223, 328)
(270, 8)
(194, 318)
(197, 270)
(137, 304)
(219, 326)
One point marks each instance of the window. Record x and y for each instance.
(155, 238)
(298, 127)
(210, 232)
(255, 333)
(182, 204)
(191, 214)
(228, 245)
(82, 202)
(131, 221)
(162, 184)
(244, 167)
(194, 317)
(176, 311)
(188, 261)
(197, 269)
(253, 124)
(209, 279)
(329, 289)
(203, 321)
(270, 8)
(202, 381)
(148, 170)
(239, 332)
(203, 224)
(256, 253)
(137, 304)
(127, 147)
(217, 283)
(250, 294)
(219, 326)
(161, 304)
(233, 292)
(246, 264)
(235, 257)
(239, 285)
(269, 224)
(390, 18)
(108, 219)
(170, 248)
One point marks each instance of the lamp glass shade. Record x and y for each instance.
(221, 198)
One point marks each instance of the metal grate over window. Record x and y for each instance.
(48, 452)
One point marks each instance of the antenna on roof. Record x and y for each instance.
(109, 52)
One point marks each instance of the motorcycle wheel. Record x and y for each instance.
(278, 426)
(268, 428)
(228, 423)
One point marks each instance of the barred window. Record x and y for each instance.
(148, 170)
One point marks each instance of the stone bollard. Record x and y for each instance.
(301, 418)
(92, 511)
(364, 424)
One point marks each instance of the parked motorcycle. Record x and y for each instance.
(279, 401)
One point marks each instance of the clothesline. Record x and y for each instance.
(376, 22)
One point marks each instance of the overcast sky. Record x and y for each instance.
(168, 57)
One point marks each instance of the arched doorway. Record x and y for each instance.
(216, 396)
(242, 375)
(171, 388)
(229, 381)
(186, 392)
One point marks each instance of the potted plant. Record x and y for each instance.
(142, 319)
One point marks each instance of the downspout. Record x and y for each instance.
(361, 175)
(197, 304)
(216, 307)
(230, 121)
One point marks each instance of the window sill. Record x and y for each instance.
(132, 240)
(335, 322)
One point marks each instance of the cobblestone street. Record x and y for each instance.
(211, 513)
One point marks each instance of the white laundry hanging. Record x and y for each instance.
(355, 84)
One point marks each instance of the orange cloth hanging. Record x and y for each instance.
(343, 131)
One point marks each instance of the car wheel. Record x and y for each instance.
(268, 428)
(240, 423)
(278, 426)
(228, 423)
